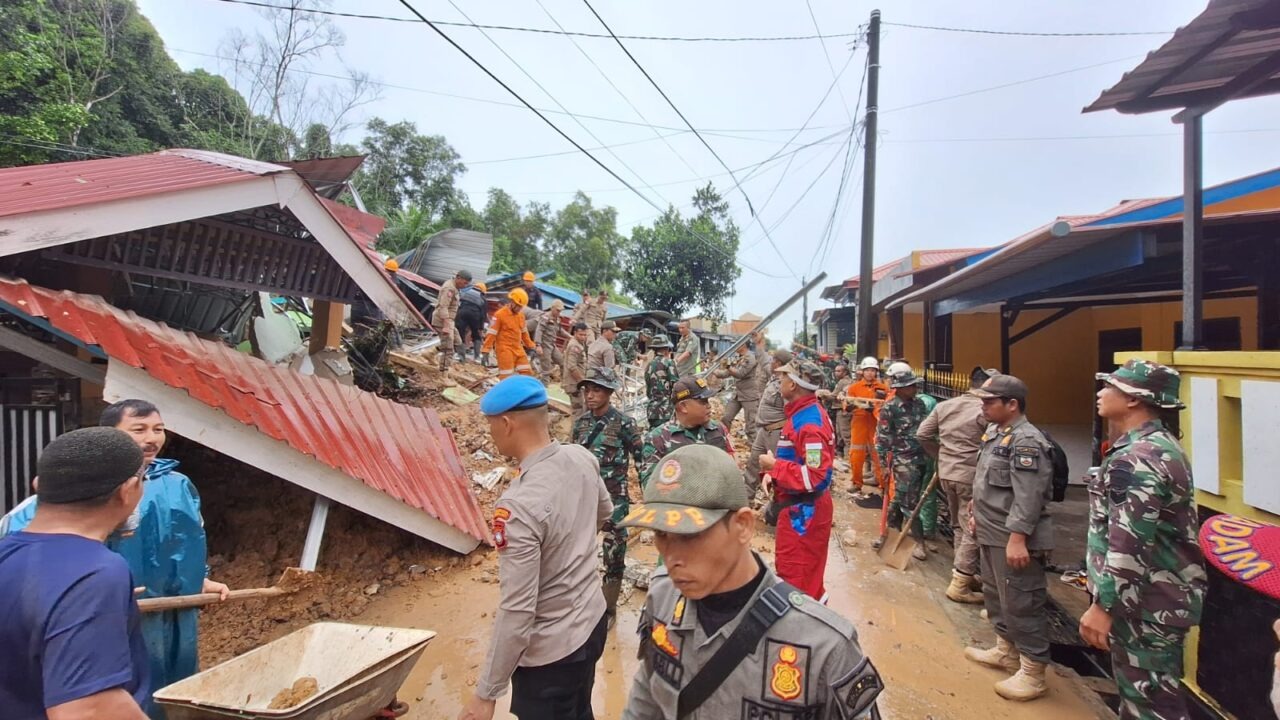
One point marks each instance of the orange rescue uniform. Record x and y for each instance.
(862, 432)
(510, 334)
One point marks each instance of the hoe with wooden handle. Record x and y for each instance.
(291, 581)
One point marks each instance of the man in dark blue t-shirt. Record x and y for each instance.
(69, 624)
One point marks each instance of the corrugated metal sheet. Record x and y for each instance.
(397, 449)
(70, 184)
(442, 255)
(1246, 197)
(1199, 59)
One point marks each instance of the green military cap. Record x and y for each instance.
(691, 490)
(609, 325)
(1148, 381)
(464, 274)
(602, 376)
(783, 356)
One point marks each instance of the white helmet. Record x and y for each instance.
(869, 362)
(898, 367)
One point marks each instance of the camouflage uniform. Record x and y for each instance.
(614, 440)
(627, 346)
(843, 418)
(671, 435)
(659, 376)
(896, 435)
(1146, 568)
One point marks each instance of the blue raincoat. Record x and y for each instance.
(167, 555)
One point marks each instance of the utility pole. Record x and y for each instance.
(866, 334)
(804, 321)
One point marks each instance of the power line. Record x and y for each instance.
(51, 146)
(696, 134)
(621, 94)
(827, 56)
(544, 31)
(553, 99)
(1002, 86)
(719, 132)
(983, 31)
(555, 127)
(851, 156)
(571, 152)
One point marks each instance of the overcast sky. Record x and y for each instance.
(972, 171)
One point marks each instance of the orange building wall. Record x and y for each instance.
(1058, 362)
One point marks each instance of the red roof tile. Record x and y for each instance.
(61, 185)
(397, 449)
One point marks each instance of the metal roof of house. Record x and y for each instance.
(1231, 50)
(1256, 196)
(58, 204)
(442, 255)
(37, 188)
(328, 176)
(398, 450)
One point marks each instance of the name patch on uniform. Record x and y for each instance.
(500, 518)
(753, 710)
(786, 673)
(1026, 458)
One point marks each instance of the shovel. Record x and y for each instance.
(291, 581)
(894, 552)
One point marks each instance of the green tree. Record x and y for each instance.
(583, 244)
(679, 264)
(404, 168)
(517, 232)
(33, 113)
(406, 229)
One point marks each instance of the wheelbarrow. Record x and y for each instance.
(357, 671)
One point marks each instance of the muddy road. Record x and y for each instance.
(914, 635)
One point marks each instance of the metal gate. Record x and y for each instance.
(24, 431)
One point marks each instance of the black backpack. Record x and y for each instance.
(1061, 470)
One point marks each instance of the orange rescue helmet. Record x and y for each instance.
(519, 297)
(528, 277)
(482, 287)
(391, 265)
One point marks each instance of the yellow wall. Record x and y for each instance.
(1059, 361)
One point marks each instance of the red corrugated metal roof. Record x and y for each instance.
(68, 184)
(397, 449)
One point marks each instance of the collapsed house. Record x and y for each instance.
(133, 277)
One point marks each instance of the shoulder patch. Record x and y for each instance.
(858, 690)
(500, 517)
(1026, 458)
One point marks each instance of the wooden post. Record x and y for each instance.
(326, 326)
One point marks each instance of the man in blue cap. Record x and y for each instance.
(550, 627)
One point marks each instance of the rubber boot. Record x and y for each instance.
(612, 589)
(1004, 656)
(958, 590)
(1028, 684)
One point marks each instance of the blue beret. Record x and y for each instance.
(519, 392)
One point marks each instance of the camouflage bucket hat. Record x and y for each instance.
(806, 374)
(602, 376)
(691, 490)
(904, 378)
(660, 341)
(1148, 381)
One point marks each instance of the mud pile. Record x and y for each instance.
(256, 524)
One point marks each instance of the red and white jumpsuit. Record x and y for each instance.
(802, 484)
